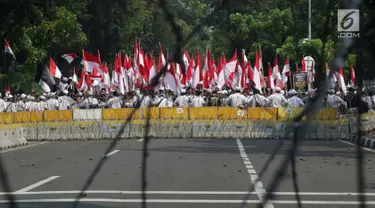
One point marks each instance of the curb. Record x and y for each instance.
(365, 142)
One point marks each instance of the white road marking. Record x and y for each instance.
(23, 147)
(352, 144)
(187, 201)
(111, 153)
(188, 193)
(258, 185)
(28, 188)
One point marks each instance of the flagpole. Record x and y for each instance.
(4, 66)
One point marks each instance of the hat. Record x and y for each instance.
(90, 93)
(331, 91)
(277, 89)
(237, 89)
(161, 88)
(183, 91)
(80, 94)
(23, 95)
(70, 78)
(10, 96)
(65, 92)
(42, 97)
(65, 79)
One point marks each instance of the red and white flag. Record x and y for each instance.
(352, 74)
(69, 57)
(55, 71)
(75, 78)
(230, 69)
(90, 61)
(8, 49)
(257, 75)
(286, 71)
(341, 81)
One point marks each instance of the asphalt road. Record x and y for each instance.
(185, 173)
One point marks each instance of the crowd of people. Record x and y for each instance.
(68, 98)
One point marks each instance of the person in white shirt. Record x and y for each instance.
(294, 101)
(20, 104)
(146, 99)
(11, 104)
(115, 101)
(65, 102)
(89, 101)
(40, 104)
(236, 99)
(52, 103)
(334, 101)
(3, 104)
(277, 100)
(198, 100)
(182, 100)
(256, 100)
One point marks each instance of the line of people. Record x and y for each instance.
(65, 100)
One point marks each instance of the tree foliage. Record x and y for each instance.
(38, 29)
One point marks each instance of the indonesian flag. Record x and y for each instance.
(95, 77)
(276, 76)
(271, 83)
(229, 70)
(69, 57)
(197, 72)
(352, 75)
(90, 62)
(220, 73)
(303, 63)
(286, 71)
(237, 81)
(8, 49)
(82, 85)
(341, 81)
(75, 78)
(256, 75)
(55, 71)
(170, 81)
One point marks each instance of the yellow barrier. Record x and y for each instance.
(174, 113)
(6, 118)
(58, 115)
(26, 117)
(231, 113)
(124, 113)
(262, 113)
(142, 113)
(323, 114)
(287, 113)
(203, 113)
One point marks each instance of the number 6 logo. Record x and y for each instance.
(346, 19)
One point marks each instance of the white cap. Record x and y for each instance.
(237, 89)
(161, 88)
(90, 93)
(65, 92)
(44, 94)
(32, 98)
(23, 95)
(42, 97)
(71, 78)
(209, 90)
(65, 79)
(278, 89)
(10, 96)
(183, 91)
(80, 94)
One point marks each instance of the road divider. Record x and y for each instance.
(12, 136)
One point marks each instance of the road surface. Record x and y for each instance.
(185, 173)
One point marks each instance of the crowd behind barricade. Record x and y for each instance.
(67, 98)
